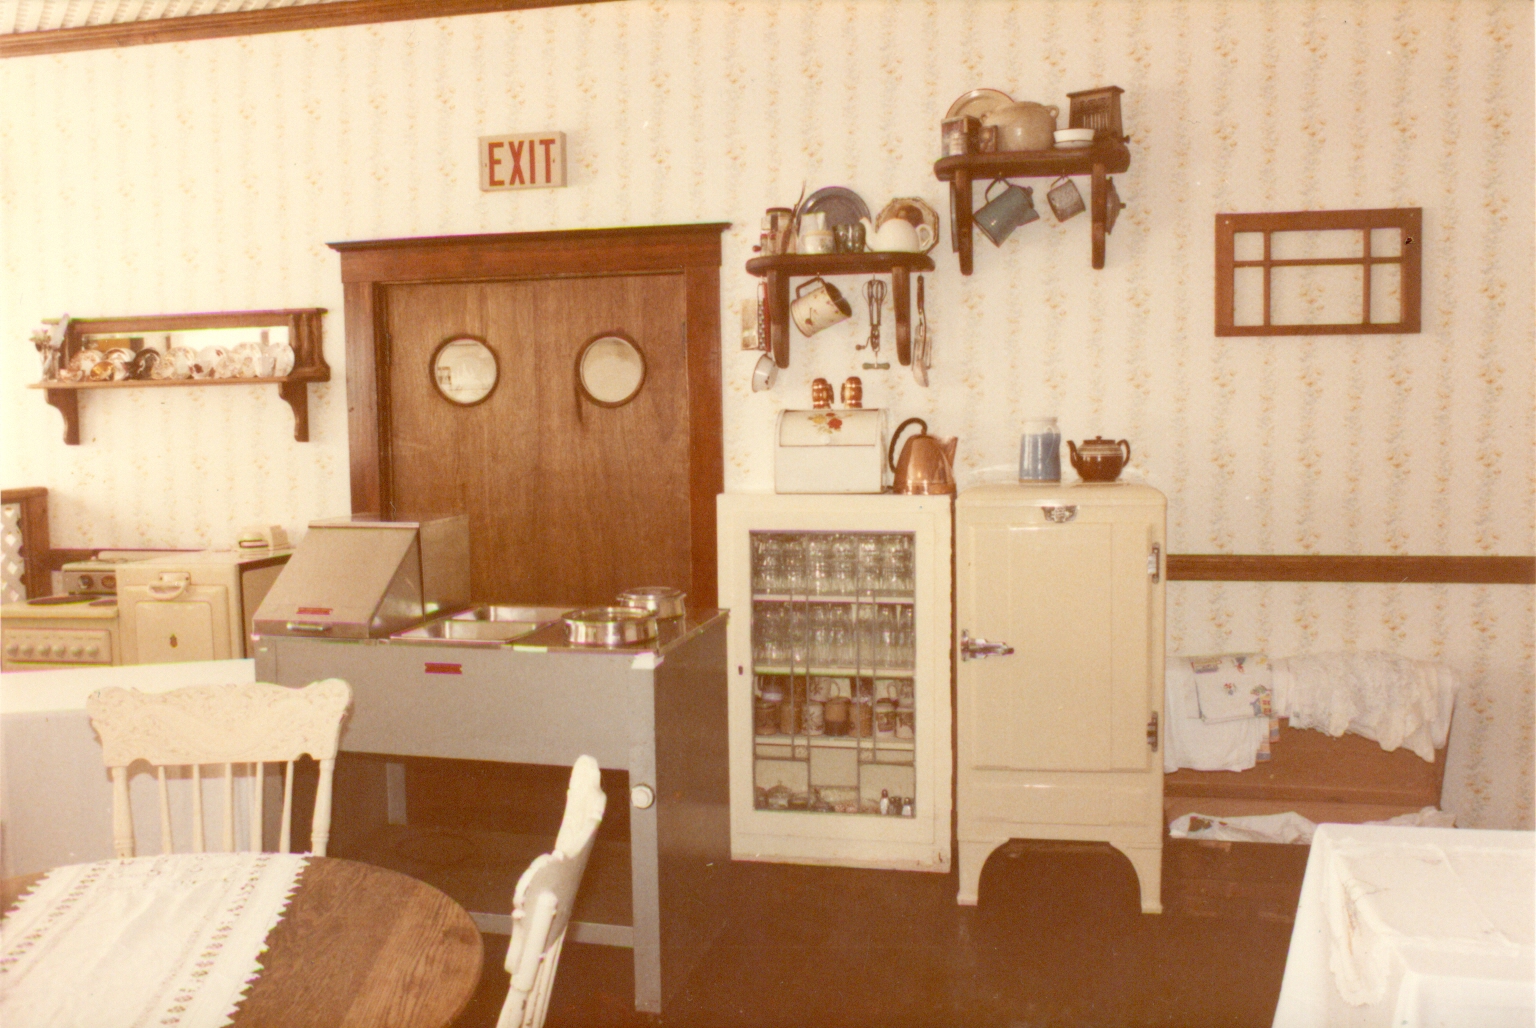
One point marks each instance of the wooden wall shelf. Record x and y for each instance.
(1102, 159)
(779, 269)
(304, 335)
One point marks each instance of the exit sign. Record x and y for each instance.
(530, 161)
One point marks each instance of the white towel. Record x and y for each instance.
(1232, 685)
(1394, 700)
(1191, 742)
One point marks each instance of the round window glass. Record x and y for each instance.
(611, 370)
(464, 370)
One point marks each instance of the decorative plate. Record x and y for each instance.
(978, 102)
(914, 210)
(841, 206)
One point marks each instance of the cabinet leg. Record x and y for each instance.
(1148, 862)
(971, 858)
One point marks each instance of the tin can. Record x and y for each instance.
(959, 135)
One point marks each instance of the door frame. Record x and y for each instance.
(693, 251)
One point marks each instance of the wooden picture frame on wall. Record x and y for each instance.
(1319, 272)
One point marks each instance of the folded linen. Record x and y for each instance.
(1189, 741)
(1396, 701)
(1232, 685)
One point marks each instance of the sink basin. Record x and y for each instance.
(483, 626)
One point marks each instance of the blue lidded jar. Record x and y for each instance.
(1040, 451)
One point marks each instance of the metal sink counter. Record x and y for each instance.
(485, 625)
(655, 711)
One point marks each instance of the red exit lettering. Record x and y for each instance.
(532, 160)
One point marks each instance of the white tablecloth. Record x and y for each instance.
(159, 942)
(1413, 927)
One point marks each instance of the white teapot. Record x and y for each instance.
(898, 234)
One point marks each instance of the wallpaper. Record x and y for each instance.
(210, 175)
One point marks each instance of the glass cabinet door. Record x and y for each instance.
(833, 645)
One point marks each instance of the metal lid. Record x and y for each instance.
(663, 601)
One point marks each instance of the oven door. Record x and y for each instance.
(171, 620)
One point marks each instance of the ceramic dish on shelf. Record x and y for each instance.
(1073, 138)
(913, 210)
(978, 102)
(841, 206)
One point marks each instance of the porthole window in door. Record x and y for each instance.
(610, 370)
(464, 370)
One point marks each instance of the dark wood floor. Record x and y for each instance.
(1057, 940)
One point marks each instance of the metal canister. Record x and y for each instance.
(959, 135)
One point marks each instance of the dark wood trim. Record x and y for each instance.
(1237, 567)
(35, 546)
(706, 458)
(252, 23)
(625, 251)
(365, 435)
(368, 268)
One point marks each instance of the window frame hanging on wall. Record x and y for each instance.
(1408, 223)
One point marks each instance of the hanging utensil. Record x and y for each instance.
(920, 340)
(874, 293)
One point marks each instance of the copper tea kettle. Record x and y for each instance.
(927, 464)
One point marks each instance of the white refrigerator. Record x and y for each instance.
(840, 703)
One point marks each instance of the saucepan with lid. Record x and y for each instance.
(610, 626)
(662, 601)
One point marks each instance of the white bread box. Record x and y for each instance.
(829, 451)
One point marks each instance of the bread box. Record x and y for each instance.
(829, 451)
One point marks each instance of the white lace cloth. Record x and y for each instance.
(1394, 700)
(1413, 927)
(168, 941)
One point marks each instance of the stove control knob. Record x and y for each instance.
(12, 649)
(45, 650)
(86, 581)
(92, 651)
(77, 651)
(26, 649)
(642, 796)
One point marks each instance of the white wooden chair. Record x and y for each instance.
(541, 904)
(202, 725)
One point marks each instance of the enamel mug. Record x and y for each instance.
(818, 305)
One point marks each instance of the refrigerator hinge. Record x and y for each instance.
(1155, 563)
(1152, 732)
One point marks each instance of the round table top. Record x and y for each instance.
(358, 945)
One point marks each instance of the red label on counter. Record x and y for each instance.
(321, 611)
(434, 668)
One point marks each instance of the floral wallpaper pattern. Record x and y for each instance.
(210, 175)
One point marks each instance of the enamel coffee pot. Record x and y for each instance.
(927, 464)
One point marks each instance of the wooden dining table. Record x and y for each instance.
(358, 945)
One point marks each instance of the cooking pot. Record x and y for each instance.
(610, 626)
(662, 601)
(927, 464)
(1023, 125)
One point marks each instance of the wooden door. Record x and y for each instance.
(568, 502)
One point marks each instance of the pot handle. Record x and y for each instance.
(800, 289)
(890, 456)
(1127, 447)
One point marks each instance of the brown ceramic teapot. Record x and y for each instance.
(927, 464)
(1100, 459)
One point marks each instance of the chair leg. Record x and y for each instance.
(122, 814)
(320, 825)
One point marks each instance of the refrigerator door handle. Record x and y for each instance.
(975, 649)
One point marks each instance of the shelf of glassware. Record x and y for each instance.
(843, 598)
